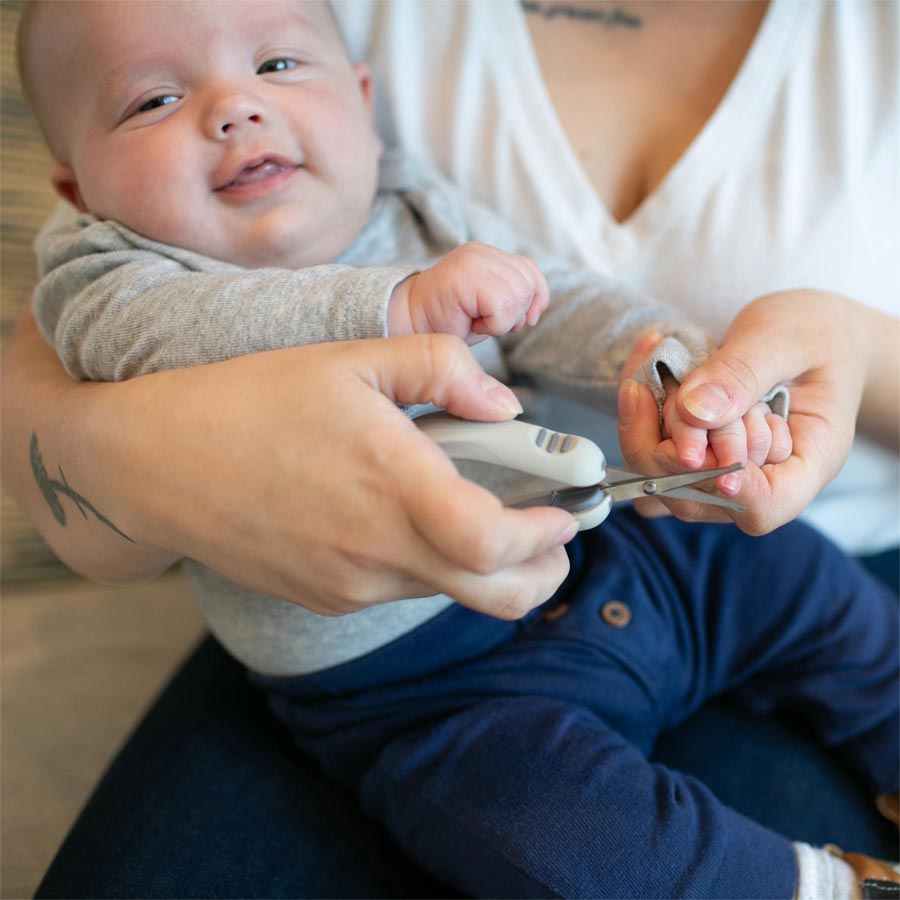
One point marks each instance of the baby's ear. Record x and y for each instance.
(364, 79)
(63, 180)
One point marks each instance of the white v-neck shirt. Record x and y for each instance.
(793, 182)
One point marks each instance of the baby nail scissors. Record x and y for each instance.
(589, 487)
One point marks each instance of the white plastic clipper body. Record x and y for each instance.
(563, 458)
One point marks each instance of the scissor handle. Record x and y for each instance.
(589, 505)
(565, 458)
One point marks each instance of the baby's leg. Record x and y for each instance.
(784, 622)
(511, 759)
(534, 797)
(496, 754)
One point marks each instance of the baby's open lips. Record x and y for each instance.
(254, 171)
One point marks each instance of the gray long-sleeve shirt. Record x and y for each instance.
(115, 305)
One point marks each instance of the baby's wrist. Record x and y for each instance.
(399, 320)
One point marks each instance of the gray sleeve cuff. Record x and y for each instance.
(675, 356)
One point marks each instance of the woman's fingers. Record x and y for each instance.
(433, 368)
(510, 592)
(638, 424)
(641, 350)
(492, 558)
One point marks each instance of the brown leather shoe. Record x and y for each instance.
(876, 878)
(889, 806)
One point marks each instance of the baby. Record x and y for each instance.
(234, 198)
(290, 185)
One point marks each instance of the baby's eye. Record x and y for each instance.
(156, 102)
(276, 65)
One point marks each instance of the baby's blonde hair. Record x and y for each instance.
(31, 9)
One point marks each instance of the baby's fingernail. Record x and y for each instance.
(501, 396)
(568, 532)
(708, 402)
(731, 484)
(690, 455)
(628, 402)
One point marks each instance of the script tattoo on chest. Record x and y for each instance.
(612, 18)
(52, 488)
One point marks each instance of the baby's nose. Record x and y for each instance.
(233, 112)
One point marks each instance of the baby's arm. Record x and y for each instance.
(116, 305)
(592, 321)
(474, 291)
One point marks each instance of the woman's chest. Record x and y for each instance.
(633, 84)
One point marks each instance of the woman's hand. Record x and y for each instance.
(291, 472)
(839, 359)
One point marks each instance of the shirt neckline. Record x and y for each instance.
(753, 85)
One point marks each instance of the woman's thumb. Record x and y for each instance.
(438, 369)
(743, 370)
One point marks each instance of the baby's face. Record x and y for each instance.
(238, 130)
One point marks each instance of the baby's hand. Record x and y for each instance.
(473, 292)
(760, 437)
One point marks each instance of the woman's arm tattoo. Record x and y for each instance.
(51, 488)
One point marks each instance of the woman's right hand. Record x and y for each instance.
(291, 472)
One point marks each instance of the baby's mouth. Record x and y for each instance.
(260, 172)
(255, 172)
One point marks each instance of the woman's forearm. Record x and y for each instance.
(56, 451)
(291, 472)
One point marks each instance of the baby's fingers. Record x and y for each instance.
(729, 443)
(759, 434)
(515, 293)
(782, 442)
(690, 442)
(541, 299)
(768, 436)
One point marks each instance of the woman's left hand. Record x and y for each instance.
(838, 359)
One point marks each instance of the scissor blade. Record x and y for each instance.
(628, 486)
(698, 496)
(573, 500)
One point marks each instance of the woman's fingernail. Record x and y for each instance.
(708, 402)
(501, 396)
(628, 402)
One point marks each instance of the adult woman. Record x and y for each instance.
(810, 355)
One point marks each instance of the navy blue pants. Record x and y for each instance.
(511, 759)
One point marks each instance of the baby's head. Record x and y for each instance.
(240, 130)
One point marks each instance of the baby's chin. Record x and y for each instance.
(289, 248)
